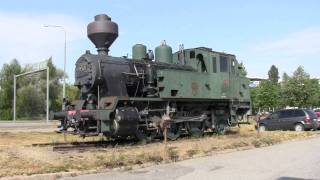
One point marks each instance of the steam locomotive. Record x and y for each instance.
(187, 92)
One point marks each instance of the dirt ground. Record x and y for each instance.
(19, 157)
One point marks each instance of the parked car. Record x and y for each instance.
(290, 119)
(317, 112)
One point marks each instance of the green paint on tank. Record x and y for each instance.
(173, 84)
(139, 51)
(163, 53)
(216, 77)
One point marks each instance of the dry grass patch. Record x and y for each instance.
(17, 157)
(29, 138)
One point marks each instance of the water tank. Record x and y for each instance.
(163, 53)
(139, 51)
(102, 32)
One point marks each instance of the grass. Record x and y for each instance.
(29, 138)
(17, 157)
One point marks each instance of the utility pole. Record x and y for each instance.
(65, 59)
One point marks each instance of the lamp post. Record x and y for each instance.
(65, 58)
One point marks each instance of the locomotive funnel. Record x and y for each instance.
(102, 32)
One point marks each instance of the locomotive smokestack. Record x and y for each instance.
(102, 32)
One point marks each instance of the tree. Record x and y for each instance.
(255, 100)
(273, 74)
(55, 87)
(299, 90)
(55, 93)
(6, 88)
(268, 95)
(31, 91)
(242, 70)
(31, 102)
(317, 97)
(285, 77)
(283, 84)
(72, 92)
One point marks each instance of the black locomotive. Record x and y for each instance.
(189, 91)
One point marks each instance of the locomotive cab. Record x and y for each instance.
(186, 92)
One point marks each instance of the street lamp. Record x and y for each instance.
(65, 58)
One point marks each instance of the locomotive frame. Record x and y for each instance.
(186, 92)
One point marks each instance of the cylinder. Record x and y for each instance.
(125, 122)
(139, 51)
(163, 53)
(58, 115)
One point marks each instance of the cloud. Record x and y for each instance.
(287, 53)
(305, 42)
(24, 37)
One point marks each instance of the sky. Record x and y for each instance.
(260, 33)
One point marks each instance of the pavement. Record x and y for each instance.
(28, 126)
(296, 160)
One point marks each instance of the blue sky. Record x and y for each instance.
(260, 33)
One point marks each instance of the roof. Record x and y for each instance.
(210, 50)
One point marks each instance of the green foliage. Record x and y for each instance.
(285, 77)
(31, 102)
(31, 91)
(55, 93)
(266, 96)
(6, 88)
(72, 92)
(254, 99)
(300, 90)
(242, 70)
(273, 74)
(270, 94)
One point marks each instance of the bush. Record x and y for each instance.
(6, 114)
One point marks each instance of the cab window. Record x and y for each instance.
(192, 54)
(201, 65)
(233, 66)
(214, 65)
(223, 64)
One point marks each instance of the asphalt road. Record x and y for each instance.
(28, 126)
(287, 161)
